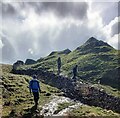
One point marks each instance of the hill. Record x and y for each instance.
(96, 60)
(17, 101)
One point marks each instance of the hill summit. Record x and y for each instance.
(92, 45)
(94, 42)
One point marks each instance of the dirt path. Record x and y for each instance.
(50, 108)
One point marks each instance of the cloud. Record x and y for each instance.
(8, 52)
(111, 31)
(1, 44)
(30, 50)
(36, 29)
(107, 10)
(67, 9)
(8, 10)
(112, 28)
(115, 28)
(115, 41)
(61, 9)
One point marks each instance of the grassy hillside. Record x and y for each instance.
(93, 112)
(17, 100)
(16, 97)
(96, 61)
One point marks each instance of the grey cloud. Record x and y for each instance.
(66, 9)
(24, 42)
(71, 37)
(8, 52)
(45, 45)
(109, 10)
(75, 36)
(115, 28)
(8, 10)
(62, 9)
(12, 10)
(119, 8)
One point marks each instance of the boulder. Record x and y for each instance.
(17, 64)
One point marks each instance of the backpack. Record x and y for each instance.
(34, 85)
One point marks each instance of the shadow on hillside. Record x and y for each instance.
(32, 112)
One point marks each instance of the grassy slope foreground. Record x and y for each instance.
(16, 97)
(17, 100)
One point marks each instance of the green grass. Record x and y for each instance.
(62, 106)
(5, 68)
(86, 110)
(109, 89)
(92, 66)
(16, 96)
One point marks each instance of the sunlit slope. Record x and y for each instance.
(96, 61)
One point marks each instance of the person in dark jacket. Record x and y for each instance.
(59, 64)
(34, 88)
(75, 71)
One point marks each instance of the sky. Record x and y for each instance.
(35, 29)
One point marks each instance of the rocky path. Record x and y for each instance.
(69, 108)
(50, 108)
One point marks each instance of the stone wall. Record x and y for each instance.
(80, 91)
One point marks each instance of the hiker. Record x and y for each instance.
(75, 72)
(59, 64)
(35, 87)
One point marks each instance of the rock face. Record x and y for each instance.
(66, 51)
(17, 64)
(83, 92)
(30, 61)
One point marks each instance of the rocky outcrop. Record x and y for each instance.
(85, 93)
(17, 64)
(29, 61)
(66, 51)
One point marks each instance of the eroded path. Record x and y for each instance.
(51, 108)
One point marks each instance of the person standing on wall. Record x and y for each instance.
(59, 64)
(75, 70)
